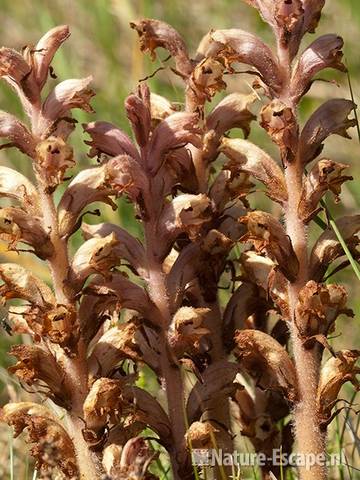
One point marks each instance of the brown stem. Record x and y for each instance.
(75, 368)
(170, 370)
(219, 409)
(310, 440)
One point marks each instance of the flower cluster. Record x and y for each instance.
(121, 302)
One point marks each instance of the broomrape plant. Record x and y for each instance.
(120, 303)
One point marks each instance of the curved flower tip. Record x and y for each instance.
(235, 45)
(334, 374)
(20, 283)
(116, 344)
(44, 51)
(154, 34)
(129, 248)
(97, 255)
(325, 52)
(185, 213)
(247, 157)
(176, 130)
(107, 138)
(87, 187)
(125, 175)
(121, 174)
(27, 72)
(17, 225)
(12, 129)
(18, 74)
(130, 461)
(16, 186)
(67, 95)
(232, 112)
(330, 118)
(36, 365)
(138, 110)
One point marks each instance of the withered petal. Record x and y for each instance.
(96, 255)
(326, 175)
(44, 430)
(185, 213)
(20, 283)
(249, 158)
(236, 45)
(267, 234)
(36, 364)
(16, 186)
(155, 33)
(266, 361)
(17, 225)
(334, 373)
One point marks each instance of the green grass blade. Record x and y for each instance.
(186, 420)
(353, 100)
(11, 454)
(353, 262)
(340, 447)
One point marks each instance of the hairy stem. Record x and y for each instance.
(309, 438)
(307, 361)
(219, 410)
(75, 368)
(170, 370)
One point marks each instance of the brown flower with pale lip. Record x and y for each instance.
(268, 235)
